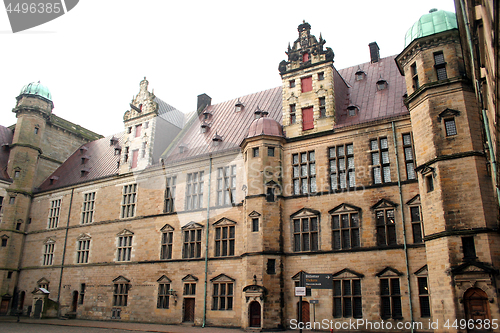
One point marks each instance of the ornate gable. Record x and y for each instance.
(346, 273)
(222, 278)
(422, 271)
(49, 240)
(125, 232)
(304, 212)
(384, 203)
(224, 221)
(254, 214)
(142, 104)
(344, 208)
(388, 272)
(83, 237)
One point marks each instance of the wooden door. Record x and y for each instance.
(476, 306)
(255, 314)
(188, 310)
(38, 308)
(306, 317)
(4, 306)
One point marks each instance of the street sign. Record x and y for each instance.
(318, 281)
(300, 291)
(314, 301)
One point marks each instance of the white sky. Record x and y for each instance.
(93, 58)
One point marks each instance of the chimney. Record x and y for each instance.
(203, 101)
(374, 52)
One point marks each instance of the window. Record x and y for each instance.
(120, 294)
(1, 202)
(163, 295)
(352, 110)
(88, 208)
(135, 157)
(271, 266)
(390, 295)
(342, 174)
(82, 293)
(386, 227)
(129, 129)
(450, 127)
(54, 211)
(381, 84)
(293, 118)
(138, 130)
(224, 241)
(129, 198)
(83, 250)
(429, 179)
(17, 174)
(469, 248)
(226, 185)
(347, 298)
(322, 107)
(345, 231)
(192, 243)
(410, 165)
(189, 289)
(43, 283)
(306, 83)
(414, 75)
(48, 253)
(9, 275)
(170, 194)
(304, 173)
(270, 151)
(125, 155)
(380, 161)
(167, 237)
(143, 151)
(305, 234)
(146, 125)
(416, 224)
(423, 296)
(321, 76)
(292, 83)
(116, 313)
(223, 296)
(12, 200)
(255, 224)
(36, 130)
(5, 239)
(255, 152)
(307, 118)
(270, 195)
(124, 247)
(18, 225)
(440, 66)
(194, 190)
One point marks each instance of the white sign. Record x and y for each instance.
(300, 291)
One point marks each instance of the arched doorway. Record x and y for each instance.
(476, 305)
(305, 312)
(74, 303)
(255, 314)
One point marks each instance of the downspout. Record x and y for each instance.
(206, 246)
(405, 247)
(493, 161)
(64, 255)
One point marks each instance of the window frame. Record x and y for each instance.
(392, 298)
(120, 293)
(194, 190)
(226, 185)
(334, 166)
(351, 229)
(309, 179)
(129, 200)
(83, 250)
(451, 130)
(54, 213)
(382, 166)
(347, 297)
(222, 298)
(124, 248)
(300, 235)
(163, 299)
(440, 65)
(170, 191)
(48, 253)
(167, 240)
(384, 239)
(417, 224)
(293, 114)
(424, 296)
(322, 107)
(191, 243)
(224, 238)
(88, 208)
(409, 156)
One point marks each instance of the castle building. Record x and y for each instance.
(375, 177)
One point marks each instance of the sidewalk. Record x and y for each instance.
(138, 327)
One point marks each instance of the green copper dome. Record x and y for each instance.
(36, 89)
(429, 24)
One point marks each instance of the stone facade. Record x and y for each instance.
(396, 206)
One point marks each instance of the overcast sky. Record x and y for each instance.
(93, 58)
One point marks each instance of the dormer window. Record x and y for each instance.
(118, 151)
(258, 113)
(84, 172)
(360, 75)
(207, 115)
(204, 127)
(217, 139)
(113, 141)
(83, 149)
(381, 84)
(84, 159)
(238, 106)
(352, 110)
(182, 148)
(53, 179)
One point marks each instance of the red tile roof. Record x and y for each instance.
(5, 142)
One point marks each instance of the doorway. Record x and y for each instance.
(305, 312)
(476, 306)
(4, 306)
(255, 314)
(38, 308)
(74, 303)
(188, 310)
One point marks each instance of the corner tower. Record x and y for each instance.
(308, 85)
(458, 207)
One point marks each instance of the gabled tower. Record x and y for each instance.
(459, 211)
(308, 85)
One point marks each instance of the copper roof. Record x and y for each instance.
(265, 126)
(5, 142)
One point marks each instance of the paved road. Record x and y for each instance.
(43, 328)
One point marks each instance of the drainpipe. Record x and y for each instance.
(493, 161)
(206, 246)
(404, 226)
(64, 255)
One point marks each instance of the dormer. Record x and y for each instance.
(360, 74)
(217, 139)
(239, 106)
(381, 84)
